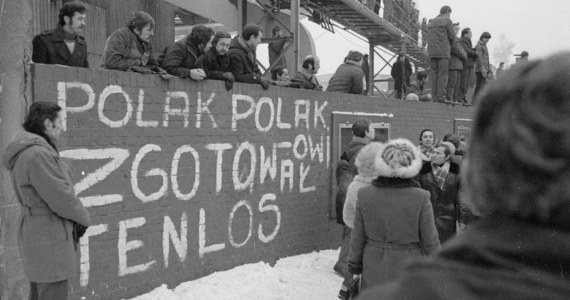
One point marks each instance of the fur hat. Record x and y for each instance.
(366, 159)
(399, 158)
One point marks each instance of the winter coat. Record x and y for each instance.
(213, 64)
(482, 62)
(345, 172)
(308, 81)
(49, 48)
(179, 58)
(393, 222)
(465, 42)
(440, 35)
(415, 88)
(349, 207)
(43, 187)
(446, 202)
(242, 62)
(275, 48)
(498, 258)
(458, 56)
(348, 79)
(124, 50)
(401, 73)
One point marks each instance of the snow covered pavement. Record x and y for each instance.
(305, 276)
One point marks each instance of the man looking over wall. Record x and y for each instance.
(306, 75)
(179, 59)
(129, 48)
(242, 54)
(63, 45)
(215, 62)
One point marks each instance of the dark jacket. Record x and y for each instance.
(213, 64)
(275, 48)
(498, 258)
(243, 64)
(42, 184)
(446, 202)
(345, 172)
(49, 48)
(307, 81)
(458, 56)
(482, 62)
(179, 58)
(393, 222)
(124, 50)
(465, 42)
(348, 78)
(401, 73)
(415, 88)
(441, 33)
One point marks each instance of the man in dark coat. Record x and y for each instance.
(482, 65)
(242, 54)
(519, 248)
(401, 72)
(63, 45)
(456, 61)
(349, 76)
(362, 134)
(306, 74)
(53, 218)
(416, 88)
(215, 62)
(179, 58)
(275, 49)
(441, 35)
(129, 48)
(466, 73)
(440, 177)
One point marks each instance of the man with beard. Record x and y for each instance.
(129, 48)
(215, 62)
(179, 59)
(242, 53)
(63, 45)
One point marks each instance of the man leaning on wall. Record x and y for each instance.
(53, 218)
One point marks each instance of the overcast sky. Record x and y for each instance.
(539, 27)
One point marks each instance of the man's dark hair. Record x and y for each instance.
(465, 31)
(445, 10)
(250, 30)
(308, 61)
(421, 75)
(277, 71)
(452, 138)
(275, 30)
(520, 144)
(447, 150)
(69, 9)
(38, 113)
(485, 35)
(360, 127)
(139, 19)
(200, 35)
(220, 35)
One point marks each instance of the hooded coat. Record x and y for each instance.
(242, 62)
(43, 187)
(348, 79)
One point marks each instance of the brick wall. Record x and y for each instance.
(183, 179)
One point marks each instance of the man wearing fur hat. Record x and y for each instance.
(440, 177)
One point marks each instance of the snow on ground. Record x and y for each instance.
(305, 276)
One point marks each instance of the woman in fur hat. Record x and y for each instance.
(393, 220)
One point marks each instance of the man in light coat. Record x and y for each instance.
(441, 34)
(53, 218)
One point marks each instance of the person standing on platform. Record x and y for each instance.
(401, 72)
(441, 36)
(482, 66)
(456, 62)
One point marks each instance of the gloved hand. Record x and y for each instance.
(141, 70)
(197, 74)
(264, 83)
(229, 76)
(78, 231)
(229, 85)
